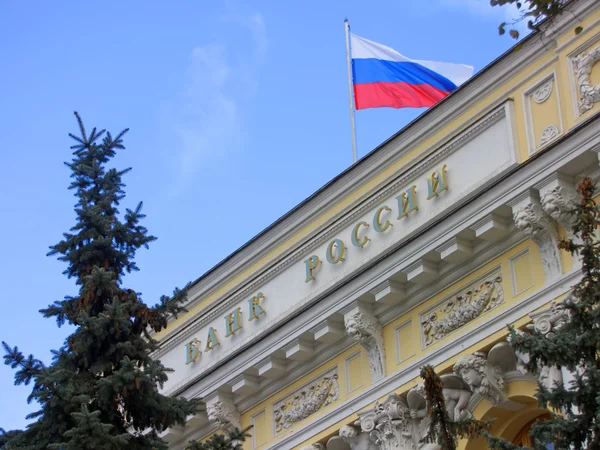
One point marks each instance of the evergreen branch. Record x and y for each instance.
(29, 366)
(443, 430)
(233, 441)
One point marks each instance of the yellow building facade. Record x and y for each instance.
(423, 252)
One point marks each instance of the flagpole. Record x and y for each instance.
(350, 89)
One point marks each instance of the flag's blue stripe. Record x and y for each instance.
(371, 70)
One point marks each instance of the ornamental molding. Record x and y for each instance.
(389, 424)
(456, 397)
(548, 134)
(546, 322)
(306, 401)
(430, 160)
(355, 438)
(542, 93)
(352, 433)
(531, 219)
(582, 65)
(365, 329)
(468, 304)
(484, 372)
(224, 415)
(533, 172)
(559, 204)
(402, 422)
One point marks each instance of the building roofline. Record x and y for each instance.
(356, 166)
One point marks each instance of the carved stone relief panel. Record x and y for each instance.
(583, 65)
(307, 400)
(459, 309)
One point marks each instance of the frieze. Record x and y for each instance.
(434, 158)
(307, 400)
(462, 308)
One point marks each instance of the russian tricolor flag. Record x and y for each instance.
(383, 77)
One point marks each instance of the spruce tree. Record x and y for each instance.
(101, 390)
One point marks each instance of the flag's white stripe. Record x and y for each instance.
(363, 49)
(457, 73)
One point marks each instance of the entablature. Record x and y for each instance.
(357, 308)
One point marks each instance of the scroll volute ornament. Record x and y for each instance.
(366, 330)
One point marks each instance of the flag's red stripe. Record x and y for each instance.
(396, 95)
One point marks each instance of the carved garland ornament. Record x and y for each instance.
(306, 401)
(461, 309)
(583, 64)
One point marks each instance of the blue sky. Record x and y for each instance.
(237, 111)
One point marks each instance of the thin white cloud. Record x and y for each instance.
(221, 78)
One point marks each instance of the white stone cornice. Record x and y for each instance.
(596, 150)
(531, 219)
(427, 160)
(272, 367)
(389, 292)
(422, 271)
(299, 349)
(491, 227)
(456, 250)
(566, 152)
(245, 384)
(329, 331)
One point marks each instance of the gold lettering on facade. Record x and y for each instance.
(192, 353)
(407, 202)
(233, 322)
(311, 265)
(356, 241)
(254, 306)
(340, 249)
(377, 225)
(212, 341)
(436, 182)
